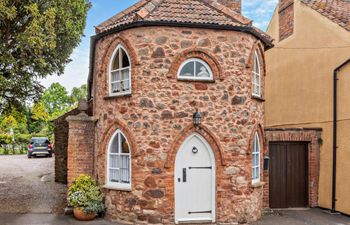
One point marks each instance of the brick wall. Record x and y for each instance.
(286, 18)
(310, 135)
(157, 118)
(61, 129)
(80, 146)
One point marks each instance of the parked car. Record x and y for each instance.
(39, 146)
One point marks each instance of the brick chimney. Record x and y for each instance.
(235, 5)
(286, 18)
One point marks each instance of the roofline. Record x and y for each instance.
(94, 39)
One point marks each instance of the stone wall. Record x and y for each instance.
(157, 118)
(286, 18)
(310, 135)
(61, 129)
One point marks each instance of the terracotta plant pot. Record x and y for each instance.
(79, 214)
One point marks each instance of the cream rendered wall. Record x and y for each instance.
(299, 90)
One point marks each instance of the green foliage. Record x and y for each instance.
(36, 40)
(79, 93)
(56, 101)
(85, 194)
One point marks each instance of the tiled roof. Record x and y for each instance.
(336, 10)
(201, 12)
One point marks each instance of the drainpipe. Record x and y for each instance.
(335, 119)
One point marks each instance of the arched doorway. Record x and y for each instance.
(195, 181)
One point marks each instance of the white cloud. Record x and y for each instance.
(76, 72)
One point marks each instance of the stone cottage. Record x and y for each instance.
(176, 130)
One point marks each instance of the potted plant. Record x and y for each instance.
(86, 198)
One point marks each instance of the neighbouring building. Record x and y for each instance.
(176, 133)
(312, 39)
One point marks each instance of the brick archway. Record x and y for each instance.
(206, 134)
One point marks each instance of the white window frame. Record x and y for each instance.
(118, 70)
(256, 74)
(256, 151)
(194, 60)
(117, 185)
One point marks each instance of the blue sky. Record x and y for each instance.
(260, 11)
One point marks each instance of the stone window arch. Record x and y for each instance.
(120, 72)
(118, 162)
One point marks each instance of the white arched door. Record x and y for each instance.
(195, 181)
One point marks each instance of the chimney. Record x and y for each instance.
(286, 18)
(234, 5)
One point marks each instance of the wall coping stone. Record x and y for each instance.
(82, 117)
(294, 129)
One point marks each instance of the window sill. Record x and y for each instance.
(195, 80)
(117, 96)
(258, 184)
(258, 98)
(112, 187)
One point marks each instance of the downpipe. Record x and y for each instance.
(335, 134)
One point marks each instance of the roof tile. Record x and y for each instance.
(336, 10)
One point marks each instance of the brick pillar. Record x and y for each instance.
(235, 5)
(286, 18)
(80, 145)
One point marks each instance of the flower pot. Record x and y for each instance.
(81, 215)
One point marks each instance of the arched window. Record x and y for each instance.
(120, 73)
(256, 76)
(256, 159)
(195, 69)
(119, 162)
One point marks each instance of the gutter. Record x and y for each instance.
(335, 134)
(94, 39)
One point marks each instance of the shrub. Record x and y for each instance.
(86, 195)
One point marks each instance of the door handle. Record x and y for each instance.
(184, 175)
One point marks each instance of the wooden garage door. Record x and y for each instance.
(288, 175)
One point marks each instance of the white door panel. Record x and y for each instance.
(195, 181)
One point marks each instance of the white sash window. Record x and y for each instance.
(120, 73)
(256, 159)
(119, 162)
(256, 76)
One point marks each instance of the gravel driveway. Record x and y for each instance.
(28, 186)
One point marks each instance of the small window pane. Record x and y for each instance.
(125, 59)
(125, 146)
(201, 70)
(115, 64)
(115, 145)
(188, 70)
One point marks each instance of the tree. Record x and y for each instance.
(56, 101)
(36, 40)
(78, 93)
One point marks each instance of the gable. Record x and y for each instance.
(337, 11)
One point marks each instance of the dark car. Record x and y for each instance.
(39, 146)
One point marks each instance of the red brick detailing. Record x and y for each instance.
(200, 54)
(258, 128)
(118, 40)
(310, 135)
(80, 146)
(286, 18)
(181, 137)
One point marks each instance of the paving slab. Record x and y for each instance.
(303, 217)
